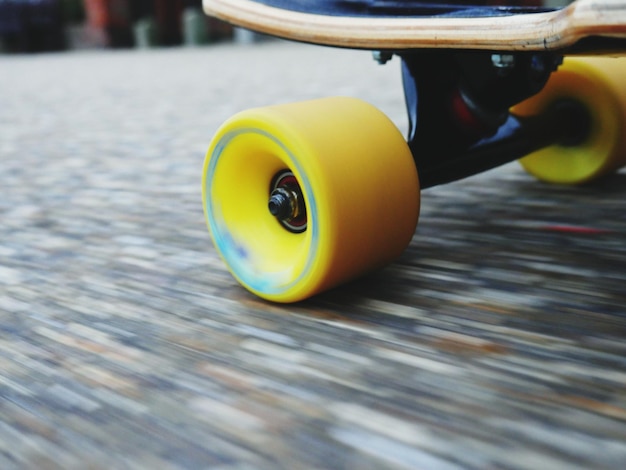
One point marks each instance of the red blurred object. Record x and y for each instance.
(113, 17)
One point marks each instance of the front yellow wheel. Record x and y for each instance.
(599, 85)
(302, 197)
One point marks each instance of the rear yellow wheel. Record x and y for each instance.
(302, 197)
(599, 85)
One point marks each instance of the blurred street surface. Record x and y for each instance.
(496, 341)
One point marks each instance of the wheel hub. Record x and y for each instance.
(286, 202)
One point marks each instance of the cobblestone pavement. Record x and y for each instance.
(495, 341)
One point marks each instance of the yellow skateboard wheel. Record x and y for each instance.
(302, 197)
(599, 85)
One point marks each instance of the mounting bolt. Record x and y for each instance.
(503, 62)
(541, 65)
(382, 57)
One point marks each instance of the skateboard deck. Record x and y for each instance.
(416, 25)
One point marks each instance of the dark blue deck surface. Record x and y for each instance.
(395, 8)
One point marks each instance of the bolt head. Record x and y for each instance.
(503, 61)
(382, 57)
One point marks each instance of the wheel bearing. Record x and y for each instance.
(286, 202)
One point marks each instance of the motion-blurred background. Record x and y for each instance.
(54, 25)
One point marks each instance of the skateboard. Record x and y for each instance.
(302, 197)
